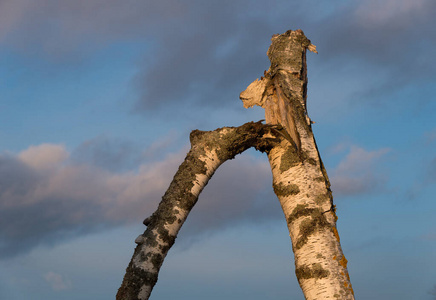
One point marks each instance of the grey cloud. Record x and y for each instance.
(62, 29)
(205, 59)
(44, 204)
(378, 33)
(109, 154)
(121, 155)
(207, 53)
(391, 47)
(389, 42)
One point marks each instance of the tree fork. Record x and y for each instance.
(300, 180)
(209, 149)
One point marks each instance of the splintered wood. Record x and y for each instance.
(282, 89)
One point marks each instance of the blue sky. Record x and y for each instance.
(97, 99)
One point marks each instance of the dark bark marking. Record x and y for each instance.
(281, 189)
(133, 281)
(289, 159)
(311, 161)
(156, 259)
(315, 271)
(321, 199)
(299, 211)
(315, 220)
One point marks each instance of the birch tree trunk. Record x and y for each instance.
(209, 149)
(300, 180)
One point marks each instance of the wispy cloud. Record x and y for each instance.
(57, 281)
(358, 173)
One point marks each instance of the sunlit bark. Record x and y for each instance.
(300, 180)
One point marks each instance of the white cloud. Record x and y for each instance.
(44, 156)
(57, 281)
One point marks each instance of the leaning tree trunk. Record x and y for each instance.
(300, 181)
(209, 149)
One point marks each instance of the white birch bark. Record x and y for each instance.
(299, 178)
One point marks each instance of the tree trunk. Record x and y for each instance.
(208, 151)
(300, 180)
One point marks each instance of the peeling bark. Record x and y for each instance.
(209, 149)
(300, 180)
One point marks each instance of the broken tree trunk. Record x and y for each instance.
(300, 180)
(209, 149)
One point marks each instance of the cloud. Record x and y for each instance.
(208, 61)
(57, 281)
(60, 29)
(376, 13)
(358, 173)
(109, 154)
(43, 156)
(41, 206)
(47, 197)
(389, 42)
(205, 54)
(206, 58)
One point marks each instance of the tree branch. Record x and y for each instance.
(209, 149)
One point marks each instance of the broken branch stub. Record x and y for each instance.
(283, 84)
